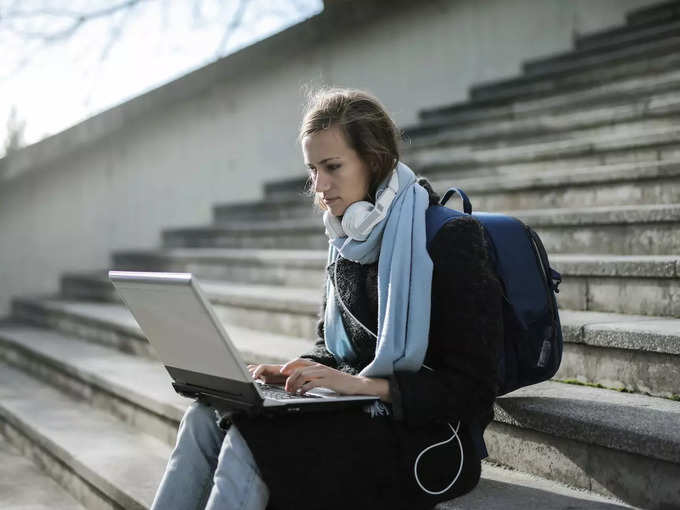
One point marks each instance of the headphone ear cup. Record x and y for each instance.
(333, 225)
(353, 217)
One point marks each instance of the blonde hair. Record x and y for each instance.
(364, 124)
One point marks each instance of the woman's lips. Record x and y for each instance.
(330, 200)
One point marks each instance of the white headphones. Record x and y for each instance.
(360, 217)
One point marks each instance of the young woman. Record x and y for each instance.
(417, 325)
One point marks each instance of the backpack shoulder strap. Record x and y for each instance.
(436, 216)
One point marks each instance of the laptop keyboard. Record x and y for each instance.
(278, 393)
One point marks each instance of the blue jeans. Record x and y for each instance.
(209, 468)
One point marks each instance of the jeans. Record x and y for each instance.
(210, 468)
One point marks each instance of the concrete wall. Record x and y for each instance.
(214, 136)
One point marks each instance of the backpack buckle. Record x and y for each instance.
(556, 279)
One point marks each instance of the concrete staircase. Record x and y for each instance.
(584, 147)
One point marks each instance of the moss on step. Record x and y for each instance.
(673, 396)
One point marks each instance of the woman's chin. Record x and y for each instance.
(337, 210)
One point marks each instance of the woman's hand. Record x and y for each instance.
(271, 374)
(304, 378)
(303, 374)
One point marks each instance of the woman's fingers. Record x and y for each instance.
(300, 375)
(295, 363)
(267, 372)
(314, 383)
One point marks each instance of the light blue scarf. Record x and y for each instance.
(398, 242)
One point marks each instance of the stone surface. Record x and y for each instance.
(617, 184)
(636, 479)
(623, 331)
(126, 467)
(634, 352)
(626, 230)
(623, 136)
(135, 389)
(25, 487)
(647, 426)
(613, 92)
(547, 84)
(621, 369)
(635, 266)
(647, 296)
(505, 489)
(632, 43)
(103, 320)
(651, 182)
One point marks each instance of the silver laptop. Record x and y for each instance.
(194, 347)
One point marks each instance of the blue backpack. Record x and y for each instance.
(532, 332)
(533, 335)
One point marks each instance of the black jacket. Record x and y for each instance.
(349, 452)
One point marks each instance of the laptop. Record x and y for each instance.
(197, 352)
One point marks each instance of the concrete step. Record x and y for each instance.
(282, 205)
(70, 364)
(45, 423)
(103, 462)
(274, 308)
(646, 345)
(652, 182)
(295, 268)
(592, 284)
(624, 35)
(490, 124)
(620, 350)
(641, 25)
(635, 60)
(614, 93)
(619, 444)
(288, 190)
(635, 42)
(637, 284)
(501, 488)
(112, 325)
(138, 391)
(63, 431)
(24, 486)
(135, 389)
(644, 348)
(645, 285)
(300, 233)
(634, 353)
(629, 116)
(622, 229)
(631, 353)
(655, 139)
(648, 182)
(654, 14)
(625, 229)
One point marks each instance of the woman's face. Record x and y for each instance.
(340, 176)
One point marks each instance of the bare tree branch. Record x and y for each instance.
(233, 25)
(79, 19)
(15, 132)
(65, 23)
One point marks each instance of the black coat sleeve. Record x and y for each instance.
(466, 331)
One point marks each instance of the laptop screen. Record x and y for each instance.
(173, 314)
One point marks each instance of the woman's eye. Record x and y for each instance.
(333, 167)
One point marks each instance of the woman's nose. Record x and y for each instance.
(321, 183)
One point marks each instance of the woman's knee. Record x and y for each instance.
(200, 419)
